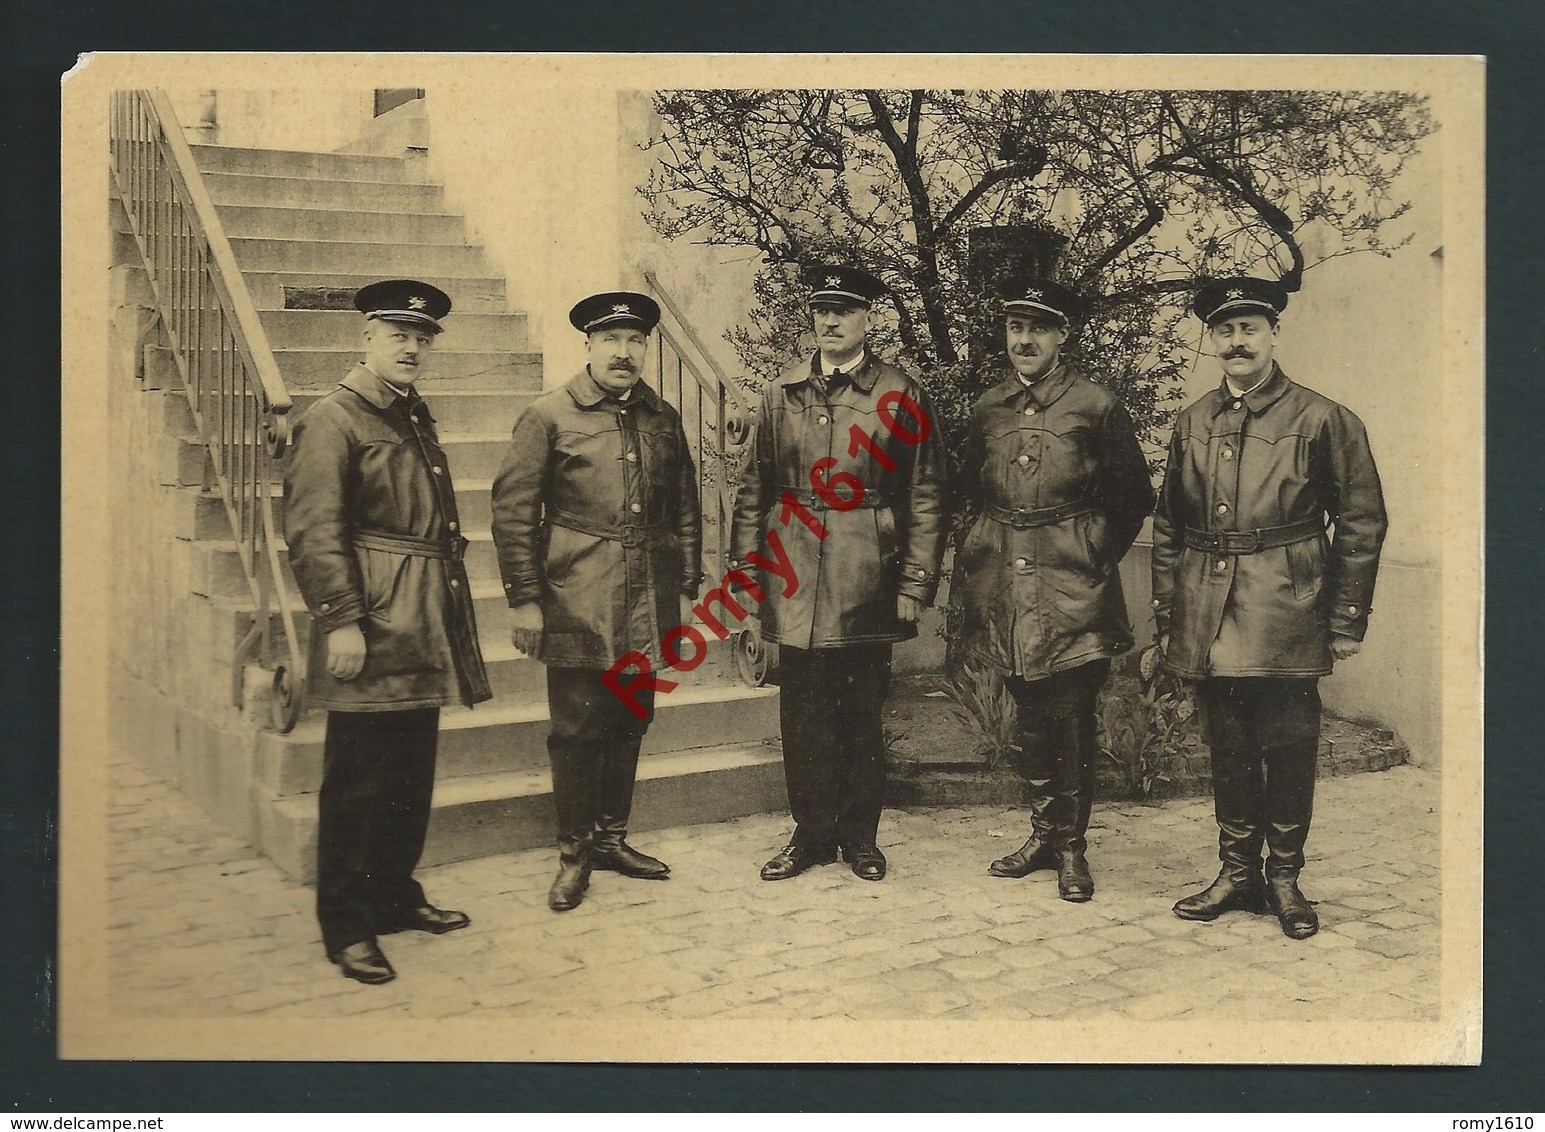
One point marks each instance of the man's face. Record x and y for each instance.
(1244, 344)
(839, 330)
(396, 351)
(1034, 343)
(616, 356)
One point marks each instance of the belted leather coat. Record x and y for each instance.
(374, 538)
(596, 517)
(1063, 488)
(1247, 580)
(845, 584)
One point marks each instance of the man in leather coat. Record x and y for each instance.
(1053, 459)
(843, 487)
(1253, 598)
(375, 543)
(597, 524)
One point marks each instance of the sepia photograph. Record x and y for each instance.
(773, 559)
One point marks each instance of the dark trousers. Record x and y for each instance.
(1264, 734)
(378, 775)
(593, 750)
(833, 744)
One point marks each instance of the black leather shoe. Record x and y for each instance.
(1030, 857)
(427, 918)
(1226, 894)
(568, 888)
(1297, 916)
(1074, 883)
(867, 861)
(623, 858)
(795, 859)
(363, 961)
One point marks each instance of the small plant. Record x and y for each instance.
(1146, 735)
(980, 700)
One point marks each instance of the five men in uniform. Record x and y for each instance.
(597, 527)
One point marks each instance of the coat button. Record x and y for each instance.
(1021, 562)
(1352, 609)
(451, 526)
(1030, 412)
(1156, 603)
(1220, 565)
(1222, 508)
(1236, 405)
(326, 605)
(631, 457)
(1022, 461)
(635, 507)
(509, 585)
(820, 420)
(1228, 453)
(436, 469)
(455, 584)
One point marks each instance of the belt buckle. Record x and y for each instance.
(1254, 546)
(630, 535)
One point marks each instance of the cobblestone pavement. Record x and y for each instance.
(199, 925)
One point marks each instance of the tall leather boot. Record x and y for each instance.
(574, 771)
(568, 888)
(1038, 767)
(609, 846)
(1076, 745)
(1290, 771)
(1238, 799)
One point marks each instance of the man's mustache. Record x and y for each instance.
(623, 364)
(1238, 354)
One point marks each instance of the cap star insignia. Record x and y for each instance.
(1033, 293)
(621, 308)
(1234, 293)
(418, 303)
(834, 281)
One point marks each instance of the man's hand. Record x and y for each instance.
(686, 610)
(526, 627)
(346, 652)
(1344, 648)
(908, 608)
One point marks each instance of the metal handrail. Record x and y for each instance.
(239, 400)
(715, 413)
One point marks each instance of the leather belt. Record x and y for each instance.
(451, 550)
(1022, 518)
(628, 534)
(1253, 542)
(873, 500)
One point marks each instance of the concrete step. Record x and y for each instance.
(382, 260)
(342, 329)
(218, 572)
(293, 163)
(511, 371)
(312, 192)
(203, 514)
(482, 815)
(285, 223)
(472, 456)
(510, 735)
(468, 292)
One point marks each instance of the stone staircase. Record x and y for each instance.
(307, 230)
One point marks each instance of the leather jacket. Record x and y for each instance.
(845, 584)
(1064, 489)
(374, 538)
(596, 517)
(1247, 580)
